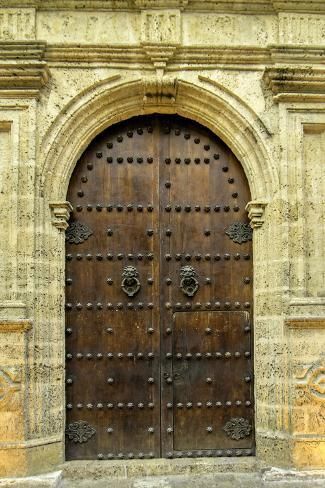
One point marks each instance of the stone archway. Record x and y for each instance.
(112, 101)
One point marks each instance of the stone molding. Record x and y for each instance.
(256, 210)
(295, 83)
(177, 57)
(22, 70)
(19, 325)
(305, 323)
(60, 213)
(231, 6)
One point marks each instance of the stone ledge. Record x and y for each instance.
(51, 480)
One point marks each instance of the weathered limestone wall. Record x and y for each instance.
(251, 71)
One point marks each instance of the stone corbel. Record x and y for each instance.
(256, 210)
(60, 213)
(159, 90)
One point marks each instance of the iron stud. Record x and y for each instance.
(197, 160)
(110, 430)
(110, 381)
(209, 429)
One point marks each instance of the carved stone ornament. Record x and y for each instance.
(77, 233)
(239, 232)
(130, 282)
(10, 383)
(189, 283)
(80, 431)
(237, 428)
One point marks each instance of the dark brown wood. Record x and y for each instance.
(158, 296)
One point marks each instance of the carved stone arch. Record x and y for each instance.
(112, 101)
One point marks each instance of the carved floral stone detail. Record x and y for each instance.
(237, 428)
(240, 232)
(77, 233)
(10, 383)
(310, 386)
(189, 283)
(80, 431)
(130, 283)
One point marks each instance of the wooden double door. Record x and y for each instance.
(158, 296)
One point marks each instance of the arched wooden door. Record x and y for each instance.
(158, 296)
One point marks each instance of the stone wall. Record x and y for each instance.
(251, 71)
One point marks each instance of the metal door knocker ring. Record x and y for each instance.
(189, 283)
(130, 283)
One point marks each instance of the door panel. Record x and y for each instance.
(158, 252)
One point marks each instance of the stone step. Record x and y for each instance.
(93, 470)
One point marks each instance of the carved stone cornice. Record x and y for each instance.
(228, 6)
(159, 90)
(291, 83)
(60, 213)
(22, 67)
(256, 209)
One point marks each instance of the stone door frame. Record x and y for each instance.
(86, 116)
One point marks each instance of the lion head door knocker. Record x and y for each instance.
(189, 283)
(130, 282)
